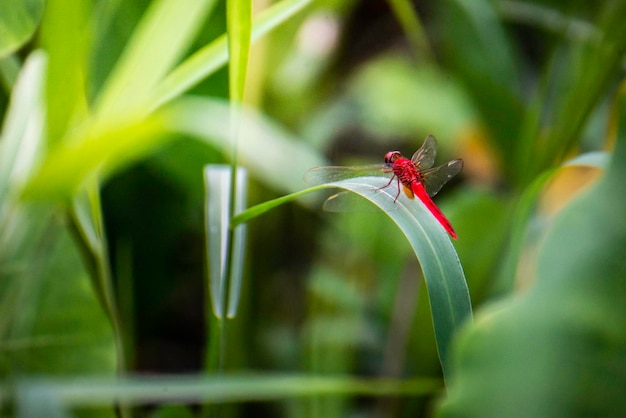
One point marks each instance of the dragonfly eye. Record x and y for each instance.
(392, 156)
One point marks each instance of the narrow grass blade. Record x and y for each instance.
(239, 25)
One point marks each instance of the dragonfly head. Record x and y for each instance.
(391, 157)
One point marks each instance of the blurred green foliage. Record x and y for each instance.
(112, 109)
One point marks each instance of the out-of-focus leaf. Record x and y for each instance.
(265, 149)
(18, 22)
(225, 388)
(213, 56)
(63, 316)
(408, 18)
(560, 350)
(239, 24)
(163, 35)
(268, 151)
(65, 37)
(21, 142)
(9, 68)
(480, 219)
(581, 86)
(477, 47)
(506, 277)
(71, 164)
(394, 98)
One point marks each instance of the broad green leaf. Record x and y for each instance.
(63, 330)
(560, 350)
(50, 321)
(18, 22)
(447, 289)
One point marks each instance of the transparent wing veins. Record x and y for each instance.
(435, 178)
(424, 158)
(321, 175)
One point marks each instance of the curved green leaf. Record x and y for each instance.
(449, 296)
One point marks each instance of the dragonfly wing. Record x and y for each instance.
(322, 175)
(435, 178)
(424, 157)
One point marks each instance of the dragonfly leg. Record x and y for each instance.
(398, 195)
(386, 185)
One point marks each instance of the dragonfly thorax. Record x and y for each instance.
(406, 171)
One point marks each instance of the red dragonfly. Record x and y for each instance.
(416, 175)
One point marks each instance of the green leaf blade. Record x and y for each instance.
(448, 292)
(443, 273)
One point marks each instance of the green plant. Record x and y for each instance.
(111, 110)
